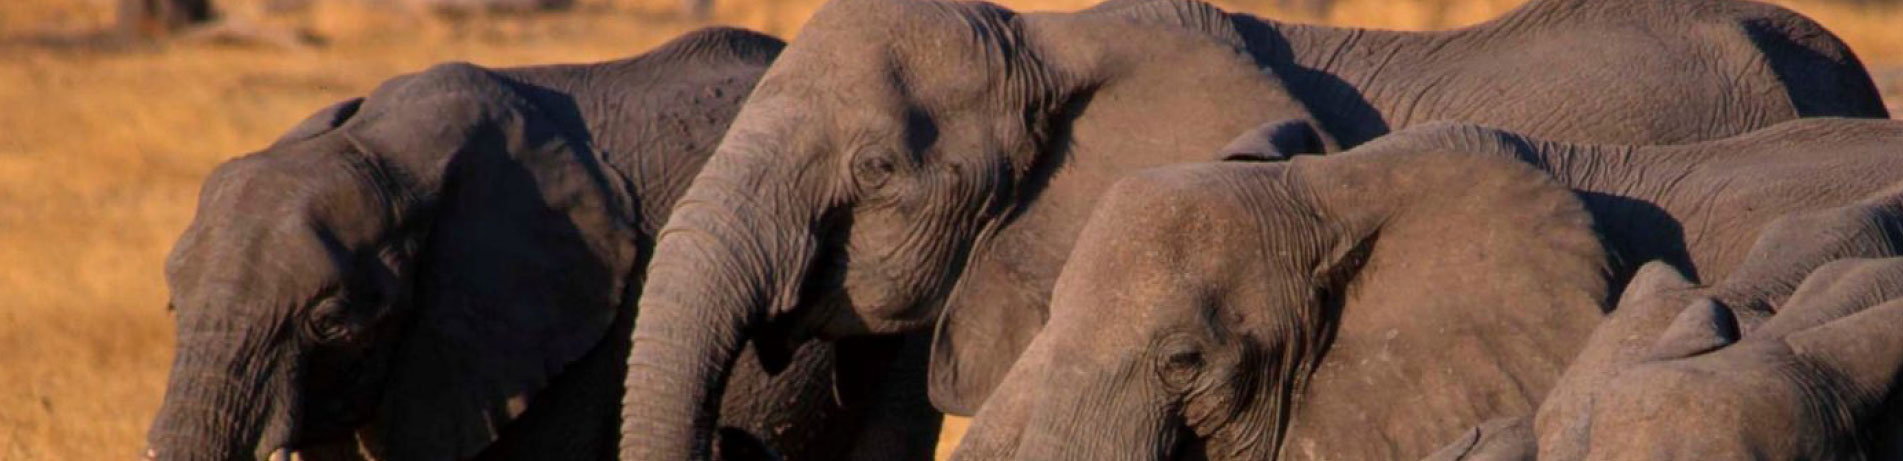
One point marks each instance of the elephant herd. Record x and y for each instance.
(1151, 229)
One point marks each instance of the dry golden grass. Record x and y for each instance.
(102, 149)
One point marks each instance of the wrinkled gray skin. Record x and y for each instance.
(1312, 309)
(1501, 439)
(1788, 249)
(1585, 71)
(1697, 206)
(1331, 309)
(442, 270)
(1815, 381)
(916, 162)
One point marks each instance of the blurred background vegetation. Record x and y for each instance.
(112, 112)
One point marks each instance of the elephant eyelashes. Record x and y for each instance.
(1179, 363)
(329, 322)
(873, 169)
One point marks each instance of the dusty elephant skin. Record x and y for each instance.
(1814, 381)
(912, 162)
(1653, 318)
(1698, 206)
(1322, 308)
(442, 270)
(1616, 72)
(1373, 304)
(1787, 250)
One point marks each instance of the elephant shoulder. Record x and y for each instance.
(1826, 136)
(724, 62)
(723, 55)
(656, 118)
(1821, 74)
(1860, 130)
(1461, 137)
(452, 77)
(723, 45)
(1190, 15)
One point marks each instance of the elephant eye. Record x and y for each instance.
(329, 322)
(1186, 359)
(1178, 363)
(873, 168)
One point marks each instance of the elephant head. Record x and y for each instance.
(1813, 382)
(904, 159)
(1365, 305)
(432, 254)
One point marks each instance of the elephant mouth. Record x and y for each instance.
(872, 293)
(847, 289)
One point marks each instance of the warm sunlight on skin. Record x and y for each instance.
(102, 149)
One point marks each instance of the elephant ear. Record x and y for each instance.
(523, 263)
(1655, 294)
(1273, 141)
(1467, 280)
(326, 119)
(975, 343)
(1703, 326)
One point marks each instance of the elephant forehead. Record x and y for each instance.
(274, 220)
(928, 45)
(1167, 228)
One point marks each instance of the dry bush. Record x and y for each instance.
(102, 150)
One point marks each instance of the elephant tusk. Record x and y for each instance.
(282, 454)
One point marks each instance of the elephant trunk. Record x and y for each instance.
(995, 430)
(731, 254)
(218, 404)
(1071, 411)
(1093, 422)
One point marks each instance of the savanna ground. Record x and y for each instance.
(103, 145)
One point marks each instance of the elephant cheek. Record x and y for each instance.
(873, 293)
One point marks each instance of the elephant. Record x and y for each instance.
(1709, 199)
(445, 269)
(914, 165)
(1320, 308)
(1813, 381)
(1684, 378)
(1565, 70)
(1374, 303)
(1790, 249)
